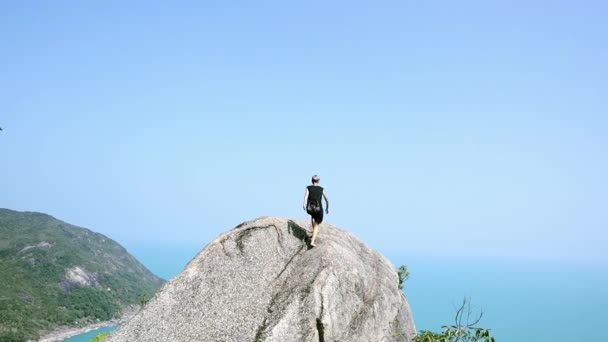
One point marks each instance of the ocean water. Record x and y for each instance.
(86, 337)
(540, 302)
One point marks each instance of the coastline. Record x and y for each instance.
(67, 332)
(63, 333)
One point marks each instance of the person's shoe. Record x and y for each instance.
(313, 244)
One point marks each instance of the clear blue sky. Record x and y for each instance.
(439, 128)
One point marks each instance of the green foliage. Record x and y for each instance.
(100, 337)
(144, 299)
(404, 275)
(430, 336)
(456, 334)
(35, 252)
(90, 302)
(463, 331)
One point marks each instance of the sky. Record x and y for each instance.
(473, 129)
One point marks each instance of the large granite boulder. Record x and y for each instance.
(262, 282)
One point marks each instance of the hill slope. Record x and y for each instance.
(55, 274)
(261, 282)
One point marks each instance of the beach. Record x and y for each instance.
(67, 332)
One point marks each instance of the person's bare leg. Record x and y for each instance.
(315, 232)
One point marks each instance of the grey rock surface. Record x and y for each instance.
(261, 282)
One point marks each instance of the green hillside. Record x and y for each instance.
(55, 274)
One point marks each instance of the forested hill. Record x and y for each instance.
(55, 274)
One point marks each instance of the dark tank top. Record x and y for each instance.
(315, 193)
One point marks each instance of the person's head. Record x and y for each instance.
(316, 179)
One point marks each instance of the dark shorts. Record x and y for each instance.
(318, 217)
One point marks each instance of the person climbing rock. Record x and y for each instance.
(313, 206)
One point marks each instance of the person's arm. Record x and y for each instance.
(305, 199)
(326, 203)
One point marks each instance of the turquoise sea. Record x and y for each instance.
(86, 337)
(540, 302)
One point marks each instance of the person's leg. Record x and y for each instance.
(315, 232)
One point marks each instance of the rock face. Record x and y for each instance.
(78, 276)
(261, 282)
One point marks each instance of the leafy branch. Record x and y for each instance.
(404, 275)
(464, 329)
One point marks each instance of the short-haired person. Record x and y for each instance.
(313, 206)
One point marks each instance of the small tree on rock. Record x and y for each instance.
(404, 275)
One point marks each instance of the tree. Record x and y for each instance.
(404, 275)
(464, 329)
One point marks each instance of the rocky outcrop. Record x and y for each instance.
(42, 244)
(262, 282)
(79, 276)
